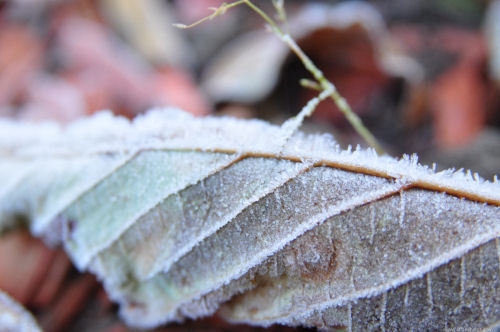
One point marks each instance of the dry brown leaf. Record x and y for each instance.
(147, 25)
(348, 37)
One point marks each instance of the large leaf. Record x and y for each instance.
(179, 215)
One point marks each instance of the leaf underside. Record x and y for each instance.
(182, 217)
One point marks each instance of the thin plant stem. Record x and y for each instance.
(325, 85)
(291, 125)
(279, 6)
(340, 101)
(216, 12)
(310, 84)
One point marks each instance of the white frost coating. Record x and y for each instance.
(167, 263)
(423, 263)
(84, 243)
(61, 194)
(232, 265)
(314, 221)
(105, 135)
(410, 275)
(11, 173)
(174, 129)
(291, 126)
(13, 317)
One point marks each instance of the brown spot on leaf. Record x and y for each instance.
(315, 257)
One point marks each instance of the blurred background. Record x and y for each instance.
(423, 75)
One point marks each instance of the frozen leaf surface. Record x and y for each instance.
(181, 216)
(13, 317)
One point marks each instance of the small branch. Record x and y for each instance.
(307, 83)
(217, 11)
(322, 84)
(290, 126)
(340, 101)
(279, 5)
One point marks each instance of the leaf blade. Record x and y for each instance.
(209, 258)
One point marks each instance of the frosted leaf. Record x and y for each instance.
(13, 317)
(179, 216)
(369, 253)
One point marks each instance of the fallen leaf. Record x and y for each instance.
(24, 262)
(53, 280)
(13, 317)
(178, 215)
(49, 98)
(364, 271)
(458, 101)
(492, 33)
(147, 25)
(348, 37)
(95, 53)
(69, 304)
(20, 61)
(174, 87)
